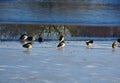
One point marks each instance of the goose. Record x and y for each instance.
(89, 43)
(31, 38)
(27, 45)
(61, 44)
(40, 39)
(23, 37)
(61, 38)
(118, 40)
(114, 45)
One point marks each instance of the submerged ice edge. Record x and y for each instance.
(70, 39)
(89, 23)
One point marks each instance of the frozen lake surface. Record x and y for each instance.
(45, 63)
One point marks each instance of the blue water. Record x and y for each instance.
(85, 12)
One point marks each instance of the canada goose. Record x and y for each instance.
(23, 37)
(89, 43)
(31, 38)
(61, 44)
(114, 45)
(40, 39)
(27, 45)
(118, 40)
(61, 38)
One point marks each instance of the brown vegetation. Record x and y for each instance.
(15, 30)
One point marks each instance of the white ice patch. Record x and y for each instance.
(90, 66)
(2, 69)
(58, 64)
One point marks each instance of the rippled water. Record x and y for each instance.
(45, 63)
(87, 12)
